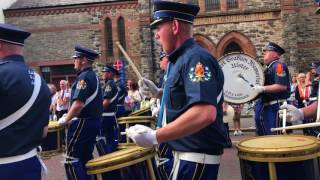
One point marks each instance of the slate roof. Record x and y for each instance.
(24, 4)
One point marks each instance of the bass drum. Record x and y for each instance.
(241, 73)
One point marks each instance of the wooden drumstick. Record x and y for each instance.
(134, 67)
(284, 117)
(245, 80)
(141, 131)
(300, 126)
(318, 105)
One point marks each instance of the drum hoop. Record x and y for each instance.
(141, 111)
(119, 157)
(259, 65)
(111, 167)
(53, 125)
(278, 159)
(136, 118)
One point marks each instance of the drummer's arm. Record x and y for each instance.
(74, 110)
(194, 119)
(275, 88)
(311, 110)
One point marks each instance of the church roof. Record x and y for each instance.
(25, 4)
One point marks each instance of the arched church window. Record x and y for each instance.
(109, 40)
(232, 47)
(121, 34)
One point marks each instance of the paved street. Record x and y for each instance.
(229, 169)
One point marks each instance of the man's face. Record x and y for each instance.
(63, 85)
(106, 75)
(269, 56)
(164, 35)
(77, 63)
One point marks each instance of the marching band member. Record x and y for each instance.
(192, 97)
(276, 90)
(122, 93)
(109, 127)
(24, 115)
(84, 115)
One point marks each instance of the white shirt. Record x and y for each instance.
(63, 95)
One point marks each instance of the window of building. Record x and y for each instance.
(232, 4)
(121, 34)
(194, 2)
(232, 47)
(109, 40)
(211, 5)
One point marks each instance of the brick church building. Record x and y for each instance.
(222, 26)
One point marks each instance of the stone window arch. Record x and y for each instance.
(108, 35)
(240, 39)
(206, 43)
(121, 33)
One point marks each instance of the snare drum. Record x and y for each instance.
(141, 112)
(126, 122)
(279, 157)
(134, 163)
(52, 143)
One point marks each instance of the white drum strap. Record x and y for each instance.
(91, 98)
(20, 112)
(114, 98)
(219, 97)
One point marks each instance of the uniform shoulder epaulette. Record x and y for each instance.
(3, 62)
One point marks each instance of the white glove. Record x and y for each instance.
(154, 112)
(293, 114)
(62, 121)
(259, 89)
(54, 117)
(147, 87)
(142, 135)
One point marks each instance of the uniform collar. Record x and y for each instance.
(15, 57)
(272, 62)
(178, 52)
(85, 69)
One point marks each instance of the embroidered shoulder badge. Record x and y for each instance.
(280, 71)
(199, 73)
(108, 88)
(81, 84)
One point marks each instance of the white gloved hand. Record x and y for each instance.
(62, 121)
(293, 114)
(147, 87)
(54, 117)
(142, 135)
(259, 89)
(155, 112)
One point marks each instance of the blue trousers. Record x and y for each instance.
(81, 138)
(21, 170)
(191, 170)
(265, 118)
(109, 133)
(165, 154)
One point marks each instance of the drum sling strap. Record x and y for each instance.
(20, 112)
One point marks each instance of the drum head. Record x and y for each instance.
(278, 144)
(241, 72)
